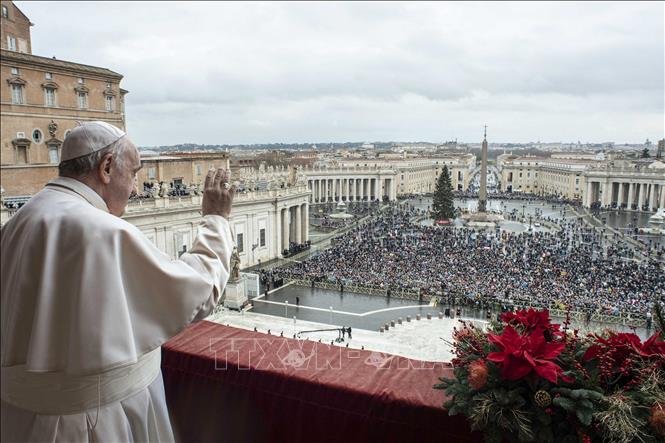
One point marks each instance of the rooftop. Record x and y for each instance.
(9, 56)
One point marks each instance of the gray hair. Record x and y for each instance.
(83, 166)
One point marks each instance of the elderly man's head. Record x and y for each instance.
(102, 157)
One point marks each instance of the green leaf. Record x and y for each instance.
(564, 403)
(585, 404)
(584, 416)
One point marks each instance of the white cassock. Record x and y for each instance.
(87, 301)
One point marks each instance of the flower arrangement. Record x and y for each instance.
(529, 380)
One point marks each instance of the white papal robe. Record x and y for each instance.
(87, 300)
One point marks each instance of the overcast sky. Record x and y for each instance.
(232, 73)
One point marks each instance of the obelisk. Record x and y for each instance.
(482, 197)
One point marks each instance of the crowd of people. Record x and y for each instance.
(522, 196)
(320, 215)
(296, 248)
(575, 267)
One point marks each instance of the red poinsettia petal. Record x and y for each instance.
(652, 346)
(547, 370)
(506, 317)
(536, 341)
(496, 339)
(529, 359)
(496, 357)
(552, 350)
(514, 369)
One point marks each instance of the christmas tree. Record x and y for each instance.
(443, 207)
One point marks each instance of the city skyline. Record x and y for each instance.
(229, 73)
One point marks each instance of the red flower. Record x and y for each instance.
(522, 355)
(622, 345)
(477, 374)
(531, 319)
(652, 347)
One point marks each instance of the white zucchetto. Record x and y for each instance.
(88, 138)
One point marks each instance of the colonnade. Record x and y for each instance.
(293, 225)
(641, 196)
(351, 189)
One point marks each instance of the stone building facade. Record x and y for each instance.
(591, 179)
(14, 29)
(362, 179)
(633, 185)
(41, 100)
(263, 224)
(185, 168)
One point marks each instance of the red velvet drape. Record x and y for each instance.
(225, 384)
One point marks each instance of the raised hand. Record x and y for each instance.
(218, 193)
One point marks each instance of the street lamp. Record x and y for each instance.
(286, 309)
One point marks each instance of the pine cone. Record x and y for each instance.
(542, 399)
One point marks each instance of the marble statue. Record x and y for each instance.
(155, 190)
(235, 265)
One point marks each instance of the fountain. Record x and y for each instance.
(657, 222)
(340, 211)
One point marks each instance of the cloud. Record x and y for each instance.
(229, 72)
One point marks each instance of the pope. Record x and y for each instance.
(87, 300)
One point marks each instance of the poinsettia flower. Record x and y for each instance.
(623, 345)
(531, 319)
(521, 355)
(652, 347)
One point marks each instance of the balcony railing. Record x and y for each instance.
(226, 384)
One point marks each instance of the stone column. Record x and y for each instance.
(277, 245)
(293, 225)
(310, 186)
(631, 192)
(304, 222)
(640, 197)
(620, 195)
(587, 195)
(661, 205)
(606, 197)
(653, 201)
(298, 223)
(285, 229)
